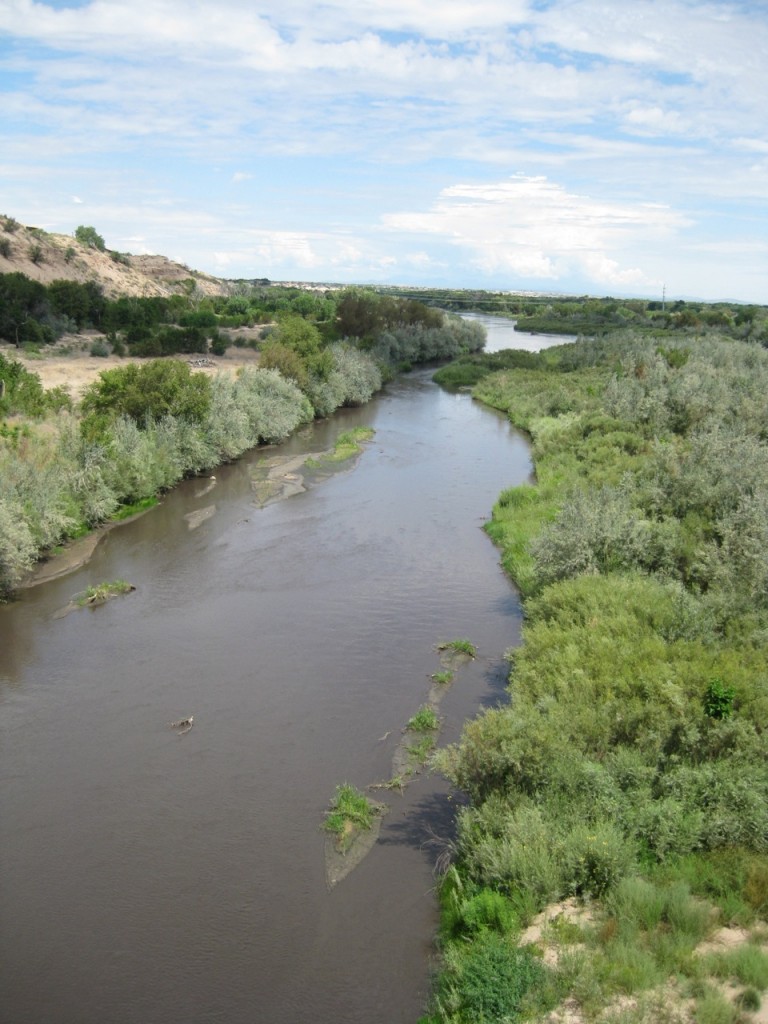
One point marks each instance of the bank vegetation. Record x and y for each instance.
(66, 466)
(628, 774)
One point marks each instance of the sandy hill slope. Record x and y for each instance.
(48, 257)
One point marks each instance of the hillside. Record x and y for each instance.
(46, 257)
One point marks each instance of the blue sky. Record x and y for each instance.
(578, 146)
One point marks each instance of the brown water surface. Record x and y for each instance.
(151, 876)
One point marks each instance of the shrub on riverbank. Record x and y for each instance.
(57, 480)
(146, 426)
(635, 740)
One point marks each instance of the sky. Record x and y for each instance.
(601, 147)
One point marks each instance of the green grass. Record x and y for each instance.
(421, 750)
(714, 1008)
(126, 511)
(398, 782)
(347, 445)
(458, 647)
(442, 678)
(103, 592)
(747, 964)
(425, 720)
(750, 1000)
(349, 809)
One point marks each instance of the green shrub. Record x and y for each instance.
(637, 901)
(219, 344)
(627, 967)
(421, 749)
(749, 1000)
(734, 879)
(746, 964)
(349, 807)
(150, 391)
(595, 858)
(488, 981)
(685, 914)
(713, 1008)
(442, 678)
(89, 237)
(424, 720)
(718, 700)
(485, 909)
(459, 647)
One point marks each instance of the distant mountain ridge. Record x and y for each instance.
(45, 257)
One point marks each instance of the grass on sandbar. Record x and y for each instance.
(347, 444)
(350, 809)
(103, 591)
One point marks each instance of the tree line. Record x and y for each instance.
(588, 315)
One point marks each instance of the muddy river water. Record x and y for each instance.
(151, 874)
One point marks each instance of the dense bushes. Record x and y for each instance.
(148, 426)
(587, 315)
(635, 738)
(22, 393)
(417, 343)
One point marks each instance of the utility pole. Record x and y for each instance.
(663, 298)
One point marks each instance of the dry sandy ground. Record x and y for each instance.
(77, 369)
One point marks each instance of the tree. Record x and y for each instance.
(83, 303)
(149, 392)
(22, 303)
(300, 335)
(90, 238)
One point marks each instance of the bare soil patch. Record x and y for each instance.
(68, 364)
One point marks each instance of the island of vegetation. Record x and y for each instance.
(612, 862)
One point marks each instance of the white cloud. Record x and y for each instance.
(154, 109)
(654, 121)
(535, 228)
(752, 145)
(420, 260)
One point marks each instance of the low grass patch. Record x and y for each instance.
(132, 509)
(398, 782)
(714, 1008)
(350, 809)
(747, 964)
(458, 647)
(735, 880)
(425, 720)
(347, 445)
(442, 678)
(103, 592)
(421, 750)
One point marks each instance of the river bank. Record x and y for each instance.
(607, 786)
(300, 636)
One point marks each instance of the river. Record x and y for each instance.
(150, 876)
